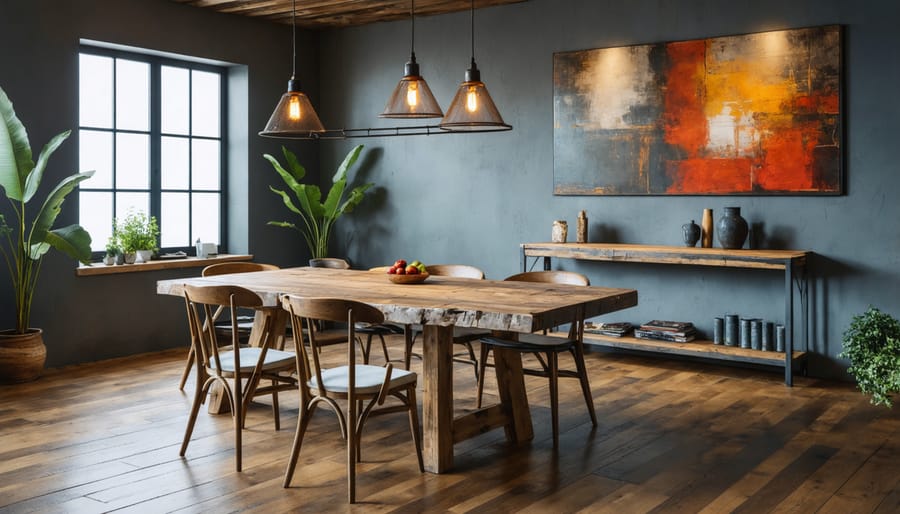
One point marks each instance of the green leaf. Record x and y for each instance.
(73, 240)
(294, 166)
(283, 224)
(15, 151)
(310, 197)
(285, 174)
(51, 208)
(334, 196)
(356, 196)
(37, 174)
(287, 200)
(349, 160)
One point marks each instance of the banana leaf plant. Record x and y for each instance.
(24, 241)
(317, 217)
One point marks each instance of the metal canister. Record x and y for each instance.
(779, 338)
(718, 330)
(768, 336)
(745, 332)
(731, 329)
(756, 334)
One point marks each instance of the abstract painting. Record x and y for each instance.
(755, 114)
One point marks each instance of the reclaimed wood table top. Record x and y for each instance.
(487, 304)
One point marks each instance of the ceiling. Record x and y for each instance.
(324, 14)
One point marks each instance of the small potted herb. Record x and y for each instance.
(138, 235)
(113, 251)
(872, 343)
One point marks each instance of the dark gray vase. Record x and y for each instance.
(691, 232)
(731, 228)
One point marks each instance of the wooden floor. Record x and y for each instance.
(673, 437)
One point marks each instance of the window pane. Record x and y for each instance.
(95, 215)
(205, 103)
(95, 91)
(95, 153)
(132, 161)
(131, 202)
(132, 95)
(205, 217)
(175, 154)
(205, 164)
(174, 220)
(175, 100)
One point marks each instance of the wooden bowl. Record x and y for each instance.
(408, 279)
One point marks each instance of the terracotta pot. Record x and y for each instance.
(22, 356)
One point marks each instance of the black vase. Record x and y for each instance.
(731, 229)
(691, 232)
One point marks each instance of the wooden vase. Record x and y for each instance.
(22, 356)
(706, 224)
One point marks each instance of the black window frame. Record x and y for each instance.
(156, 62)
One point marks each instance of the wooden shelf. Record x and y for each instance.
(696, 348)
(649, 254)
(189, 262)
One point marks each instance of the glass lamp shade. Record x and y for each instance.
(294, 116)
(473, 109)
(412, 98)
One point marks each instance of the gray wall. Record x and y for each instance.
(91, 318)
(474, 198)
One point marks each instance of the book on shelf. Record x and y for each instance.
(666, 335)
(618, 329)
(668, 326)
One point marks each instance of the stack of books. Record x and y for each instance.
(674, 331)
(609, 329)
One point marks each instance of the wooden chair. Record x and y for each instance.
(217, 365)
(547, 349)
(245, 323)
(461, 335)
(355, 383)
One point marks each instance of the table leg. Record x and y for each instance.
(218, 402)
(437, 400)
(511, 386)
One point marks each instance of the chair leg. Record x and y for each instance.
(275, 410)
(302, 423)
(553, 364)
(408, 345)
(414, 424)
(482, 365)
(366, 348)
(187, 369)
(468, 346)
(352, 445)
(578, 353)
(384, 349)
(199, 395)
(237, 407)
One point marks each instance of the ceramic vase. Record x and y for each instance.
(731, 230)
(691, 233)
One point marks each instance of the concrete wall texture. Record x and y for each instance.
(474, 198)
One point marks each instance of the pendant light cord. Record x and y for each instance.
(294, 39)
(412, 37)
(472, 30)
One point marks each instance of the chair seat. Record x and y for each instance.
(532, 343)
(386, 329)
(368, 379)
(275, 359)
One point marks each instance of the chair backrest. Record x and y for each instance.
(225, 268)
(455, 270)
(326, 309)
(551, 277)
(576, 330)
(212, 301)
(330, 262)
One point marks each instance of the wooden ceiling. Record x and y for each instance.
(323, 14)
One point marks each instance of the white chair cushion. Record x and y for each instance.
(275, 359)
(368, 379)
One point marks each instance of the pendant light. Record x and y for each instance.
(472, 108)
(294, 115)
(412, 97)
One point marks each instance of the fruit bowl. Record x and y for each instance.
(408, 279)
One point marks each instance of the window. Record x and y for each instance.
(153, 130)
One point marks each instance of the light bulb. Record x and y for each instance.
(294, 107)
(472, 99)
(412, 94)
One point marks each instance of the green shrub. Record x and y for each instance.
(872, 343)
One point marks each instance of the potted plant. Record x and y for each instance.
(138, 235)
(317, 217)
(26, 240)
(113, 250)
(872, 343)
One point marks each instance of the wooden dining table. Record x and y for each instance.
(439, 304)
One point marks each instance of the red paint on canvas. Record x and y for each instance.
(695, 176)
(684, 121)
(787, 163)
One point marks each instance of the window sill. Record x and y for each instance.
(189, 262)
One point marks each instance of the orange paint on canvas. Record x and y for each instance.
(684, 120)
(817, 103)
(703, 176)
(788, 159)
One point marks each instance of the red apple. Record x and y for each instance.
(412, 270)
(400, 271)
(400, 263)
(392, 270)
